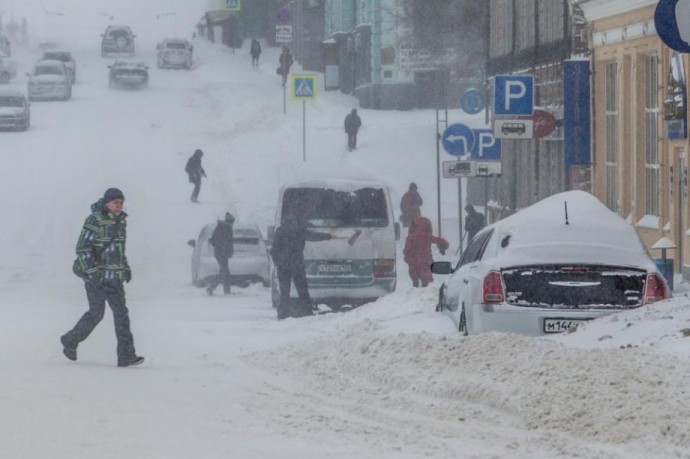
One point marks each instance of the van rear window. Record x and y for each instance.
(327, 208)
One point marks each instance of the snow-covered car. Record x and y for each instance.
(130, 74)
(65, 57)
(562, 261)
(49, 80)
(8, 69)
(14, 110)
(249, 263)
(174, 53)
(118, 40)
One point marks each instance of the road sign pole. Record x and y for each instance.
(284, 96)
(304, 130)
(460, 210)
(438, 172)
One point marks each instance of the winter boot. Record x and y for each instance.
(131, 362)
(69, 349)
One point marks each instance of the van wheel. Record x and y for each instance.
(462, 327)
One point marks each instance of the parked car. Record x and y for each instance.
(175, 53)
(560, 262)
(8, 70)
(14, 110)
(130, 74)
(65, 57)
(117, 39)
(49, 80)
(248, 264)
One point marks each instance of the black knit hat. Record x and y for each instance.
(229, 218)
(112, 194)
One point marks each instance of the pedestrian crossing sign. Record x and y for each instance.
(231, 5)
(303, 87)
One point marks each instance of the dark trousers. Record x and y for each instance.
(197, 188)
(223, 276)
(287, 275)
(351, 140)
(97, 294)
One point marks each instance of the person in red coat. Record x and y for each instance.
(418, 250)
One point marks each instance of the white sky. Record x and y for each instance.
(223, 378)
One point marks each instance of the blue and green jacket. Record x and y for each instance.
(101, 246)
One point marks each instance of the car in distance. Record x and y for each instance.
(130, 74)
(175, 53)
(49, 80)
(118, 40)
(14, 110)
(560, 262)
(249, 262)
(65, 57)
(8, 70)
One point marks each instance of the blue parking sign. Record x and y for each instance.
(514, 95)
(486, 146)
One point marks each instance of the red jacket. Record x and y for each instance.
(418, 248)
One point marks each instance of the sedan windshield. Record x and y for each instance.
(62, 57)
(47, 70)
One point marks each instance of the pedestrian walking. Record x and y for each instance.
(102, 264)
(287, 252)
(222, 240)
(418, 251)
(255, 51)
(410, 205)
(352, 124)
(195, 172)
(285, 61)
(474, 222)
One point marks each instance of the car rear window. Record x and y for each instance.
(327, 208)
(63, 57)
(574, 287)
(11, 101)
(48, 70)
(177, 46)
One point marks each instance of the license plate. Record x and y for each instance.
(334, 269)
(561, 325)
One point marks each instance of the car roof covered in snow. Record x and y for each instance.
(49, 63)
(337, 184)
(593, 234)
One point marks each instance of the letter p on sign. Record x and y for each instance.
(514, 95)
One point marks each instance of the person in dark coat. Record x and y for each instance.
(102, 264)
(222, 241)
(352, 124)
(287, 252)
(410, 205)
(418, 251)
(285, 62)
(195, 172)
(474, 222)
(255, 51)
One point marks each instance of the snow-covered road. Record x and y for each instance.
(224, 378)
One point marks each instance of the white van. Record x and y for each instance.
(340, 273)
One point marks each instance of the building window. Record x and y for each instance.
(651, 121)
(612, 136)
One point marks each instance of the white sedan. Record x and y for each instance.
(562, 261)
(49, 80)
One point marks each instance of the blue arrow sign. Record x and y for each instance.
(472, 101)
(458, 140)
(672, 22)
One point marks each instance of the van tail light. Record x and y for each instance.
(384, 267)
(493, 288)
(655, 289)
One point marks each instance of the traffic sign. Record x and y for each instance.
(303, 87)
(486, 146)
(283, 16)
(513, 129)
(672, 22)
(472, 101)
(283, 34)
(231, 5)
(458, 140)
(457, 169)
(486, 168)
(514, 95)
(543, 123)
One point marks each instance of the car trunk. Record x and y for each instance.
(245, 246)
(574, 286)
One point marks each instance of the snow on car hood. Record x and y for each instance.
(48, 79)
(593, 234)
(11, 111)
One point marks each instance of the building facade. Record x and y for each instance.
(640, 130)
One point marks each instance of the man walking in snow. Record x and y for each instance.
(222, 240)
(195, 172)
(285, 61)
(474, 222)
(352, 124)
(102, 264)
(255, 51)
